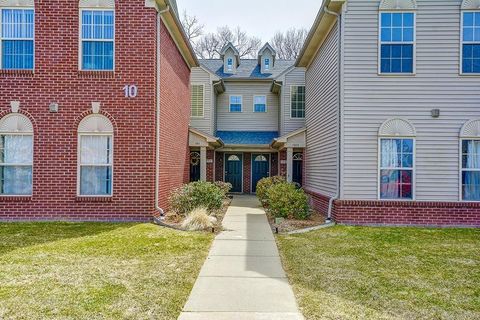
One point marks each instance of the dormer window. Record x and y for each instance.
(230, 64)
(267, 64)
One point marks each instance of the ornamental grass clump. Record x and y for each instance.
(195, 195)
(286, 201)
(198, 220)
(264, 185)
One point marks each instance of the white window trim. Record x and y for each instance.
(460, 166)
(465, 74)
(79, 165)
(265, 64)
(290, 102)
(1, 38)
(227, 64)
(266, 107)
(230, 103)
(80, 38)
(203, 102)
(379, 168)
(379, 49)
(21, 164)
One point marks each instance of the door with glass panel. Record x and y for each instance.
(233, 171)
(260, 168)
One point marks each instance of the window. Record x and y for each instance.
(17, 39)
(95, 156)
(471, 170)
(197, 101)
(259, 104)
(471, 42)
(298, 102)
(261, 158)
(396, 168)
(97, 37)
(267, 64)
(16, 155)
(233, 158)
(229, 64)
(397, 38)
(235, 103)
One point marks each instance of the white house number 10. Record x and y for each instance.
(131, 91)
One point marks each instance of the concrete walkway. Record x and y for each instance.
(242, 278)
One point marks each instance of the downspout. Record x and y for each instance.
(157, 153)
(337, 194)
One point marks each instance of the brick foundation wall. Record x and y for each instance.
(56, 79)
(405, 213)
(174, 118)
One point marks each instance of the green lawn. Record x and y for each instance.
(97, 271)
(385, 273)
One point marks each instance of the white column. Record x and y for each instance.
(203, 164)
(289, 164)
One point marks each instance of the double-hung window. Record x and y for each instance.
(396, 168)
(259, 104)
(298, 102)
(397, 42)
(267, 64)
(97, 39)
(96, 155)
(229, 64)
(235, 103)
(471, 170)
(197, 101)
(471, 42)
(17, 42)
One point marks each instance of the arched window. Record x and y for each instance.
(95, 156)
(195, 158)
(470, 161)
(16, 155)
(470, 35)
(298, 156)
(261, 158)
(233, 158)
(396, 160)
(397, 36)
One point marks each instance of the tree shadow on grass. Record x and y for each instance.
(14, 236)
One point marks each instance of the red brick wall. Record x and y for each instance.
(210, 165)
(274, 164)
(174, 118)
(416, 213)
(247, 172)
(283, 163)
(219, 166)
(57, 79)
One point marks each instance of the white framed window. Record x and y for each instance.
(16, 156)
(97, 39)
(267, 64)
(95, 157)
(235, 103)
(470, 42)
(17, 38)
(260, 104)
(297, 103)
(229, 64)
(397, 42)
(197, 101)
(470, 169)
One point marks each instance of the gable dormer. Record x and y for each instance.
(231, 58)
(266, 58)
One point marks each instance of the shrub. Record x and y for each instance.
(195, 195)
(224, 186)
(266, 183)
(198, 220)
(286, 201)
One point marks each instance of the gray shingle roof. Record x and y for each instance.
(248, 69)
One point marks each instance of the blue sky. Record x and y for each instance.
(261, 18)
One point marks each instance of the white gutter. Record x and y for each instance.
(157, 152)
(336, 196)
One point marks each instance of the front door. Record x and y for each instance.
(260, 168)
(297, 168)
(194, 166)
(233, 171)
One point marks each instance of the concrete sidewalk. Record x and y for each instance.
(242, 277)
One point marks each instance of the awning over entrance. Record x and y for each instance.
(199, 139)
(294, 139)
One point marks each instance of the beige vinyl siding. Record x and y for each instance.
(370, 99)
(201, 77)
(322, 107)
(295, 77)
(247, 120)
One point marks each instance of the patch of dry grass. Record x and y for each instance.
(97, 271)
(385, 273)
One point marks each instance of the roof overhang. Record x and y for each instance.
(174, 26)
(319, 31)
(294, 139)
(199, 138)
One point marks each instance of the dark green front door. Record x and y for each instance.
(260, 168)
(233, 171)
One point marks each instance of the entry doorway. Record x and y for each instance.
(297, 167)
(194, 166)
(260, 168)
(233, 171)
